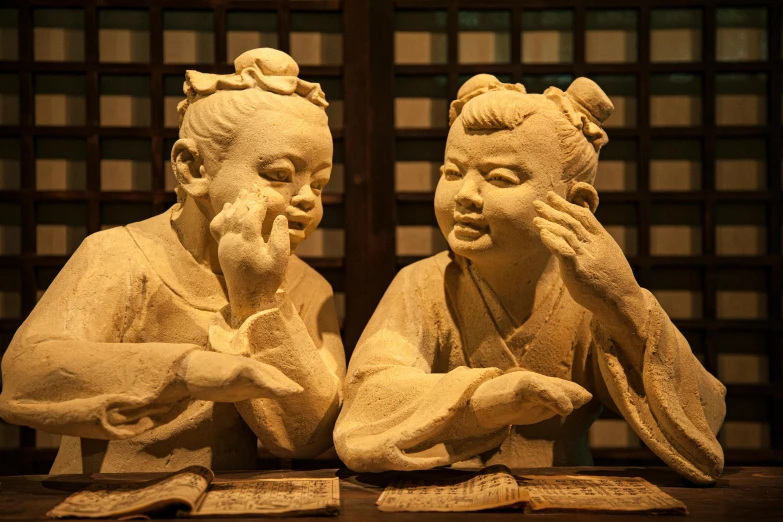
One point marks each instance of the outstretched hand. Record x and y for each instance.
(254, 269)
(219, 377)
(592, 265)
(525, 397)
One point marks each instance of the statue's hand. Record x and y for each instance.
(254, 269)
(525, 397)
(592, 264)
(219, 377)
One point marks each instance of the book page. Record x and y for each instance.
(493, 487)
(591, 494)
(272, 497)
(111, 499)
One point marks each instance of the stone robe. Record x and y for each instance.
(440, 332)
(98, 354)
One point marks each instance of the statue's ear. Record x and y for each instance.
(188, 166)
(584, 195)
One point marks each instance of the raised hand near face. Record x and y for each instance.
(525, 397)
(254, 269)
(592, 265)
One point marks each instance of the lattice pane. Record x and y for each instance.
(611, 36)
(547, 36)
(675, 35)
(9, 34)
(188, 36)
(675, 165)
(417, 168)
(9, 164)
(742, 35)
(59, 99)
(126, 164)
(421, 102)
(58, 35)
(316, 38)
(125, 101)
(675, 100)
(420, 37)
(484, 37)
(10, 229)
(740, 164)
(123, 35)
(60, 164)
(249, 30)
(60, 227)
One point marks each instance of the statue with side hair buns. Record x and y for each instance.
(187, 338)
(505, 350)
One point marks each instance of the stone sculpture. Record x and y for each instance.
(186, 338)
(505, 350)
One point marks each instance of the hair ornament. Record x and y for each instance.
(266, 69)
(476, 86)
(586, 105)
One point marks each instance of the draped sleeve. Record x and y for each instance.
(68, 369)
(303, 344)
(673, 404)
(404, 407)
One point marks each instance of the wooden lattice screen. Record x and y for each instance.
(690, 183)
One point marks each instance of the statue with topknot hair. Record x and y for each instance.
(506, 349)
(196, 336)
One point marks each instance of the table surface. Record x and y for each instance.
(749, 493)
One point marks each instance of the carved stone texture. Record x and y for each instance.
(505, 350)
(186, 338)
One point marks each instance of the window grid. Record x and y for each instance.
(705, 330)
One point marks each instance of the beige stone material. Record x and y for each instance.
(505, 350)
(185, 338)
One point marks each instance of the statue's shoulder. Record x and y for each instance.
(427, 273)
(302, 276)
(112, 241)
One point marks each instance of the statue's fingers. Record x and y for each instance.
(279, 244)
(253, 222)
(562, 218)
(556, 400)
(559, 230)
(578, 395)
(217, 225)
(557, 245)
(270, 382)
(581, 214)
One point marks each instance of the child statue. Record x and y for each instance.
(186, 338)
(505, 351)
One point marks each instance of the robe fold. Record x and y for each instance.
(443, 333)
(98, 359)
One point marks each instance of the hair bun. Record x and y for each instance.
(476, 86)
(270, 62)
(591, 99)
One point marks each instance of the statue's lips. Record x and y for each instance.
(469, 228)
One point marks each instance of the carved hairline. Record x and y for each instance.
(266, 69)
(584, 104)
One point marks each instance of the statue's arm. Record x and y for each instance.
(674, 405)
(299, 426)
(398, 413)
(66, 370)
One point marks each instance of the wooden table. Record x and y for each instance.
(752, 493)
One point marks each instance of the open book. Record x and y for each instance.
(194, 492)
(496, 487)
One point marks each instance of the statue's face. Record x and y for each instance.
(287, 158)
(489, 181)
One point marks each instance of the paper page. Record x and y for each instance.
(272, 497)
(587, 493)
(493, 487)
(111, 499)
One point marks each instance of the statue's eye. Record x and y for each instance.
(503, 177)
(279, 175)
(451, 174)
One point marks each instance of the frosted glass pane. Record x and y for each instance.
(680, 304)
(420, 113)
(743, 368)
(323, 242)
(612, 433)
(419, 241)
(416, 176)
